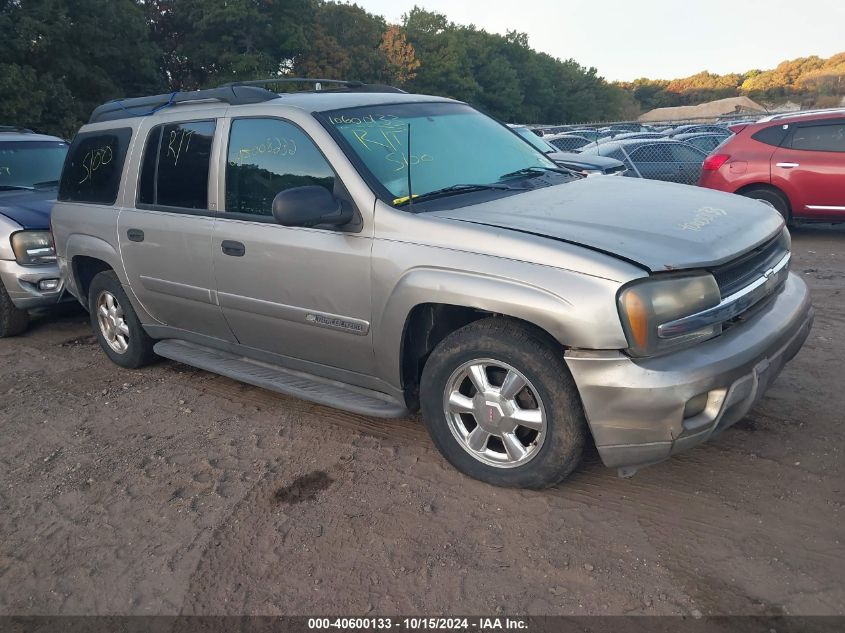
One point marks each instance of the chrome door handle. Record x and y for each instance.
(788, 165)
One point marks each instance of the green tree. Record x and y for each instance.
(208, 42)
(62, 58)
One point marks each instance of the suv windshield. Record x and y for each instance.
(452, 146)
(535, 140)
(29, 164)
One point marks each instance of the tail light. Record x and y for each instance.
(714, 161)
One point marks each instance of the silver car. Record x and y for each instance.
(348, 246)
(30, 165)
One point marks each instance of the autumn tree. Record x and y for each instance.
(401, 61)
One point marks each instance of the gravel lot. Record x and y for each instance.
(171, 490)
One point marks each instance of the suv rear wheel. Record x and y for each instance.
(116, 325)
(501, 406)
(13, 320)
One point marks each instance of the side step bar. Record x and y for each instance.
(291, 383)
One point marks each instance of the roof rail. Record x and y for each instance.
(15, 128)
(352, 86)
(144, 106)
(799, 113)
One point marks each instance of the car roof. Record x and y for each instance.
(28, 136)
(329, 100)
(689, 135)
(809, 115)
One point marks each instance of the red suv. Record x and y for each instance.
(795, 161)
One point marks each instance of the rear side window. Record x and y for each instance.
(94, 165)
(174, 169)
(820, 138)
(772, 135)
(684, 154)
(266, 157)
(657, 153)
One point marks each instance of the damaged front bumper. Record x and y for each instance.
(31, 287)
(638, 409)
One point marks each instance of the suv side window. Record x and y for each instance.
(94, 165)
(267, 156)
(820, 138)
(772, 135)
(174, 169)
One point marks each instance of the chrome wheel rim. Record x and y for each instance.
(495, 413)
(113, 325)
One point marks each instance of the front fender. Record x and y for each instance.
(583, 316)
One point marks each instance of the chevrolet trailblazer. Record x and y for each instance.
(383, 252)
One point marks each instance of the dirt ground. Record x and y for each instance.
(171, 490)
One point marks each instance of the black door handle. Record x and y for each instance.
(235, 249)
(135, 235)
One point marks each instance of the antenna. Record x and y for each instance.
(410, 192)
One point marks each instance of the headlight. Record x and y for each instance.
(645, 305)
(33, 247)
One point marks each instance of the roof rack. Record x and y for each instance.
(799, 113)
(234, 93)
(144, 106)
(351, 86)
(15, 128)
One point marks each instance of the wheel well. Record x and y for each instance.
(767, 187)
(426, 326)
(84, 270)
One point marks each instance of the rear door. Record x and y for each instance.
(810, 168)
(165, 237)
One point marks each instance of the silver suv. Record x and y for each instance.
(383, 252)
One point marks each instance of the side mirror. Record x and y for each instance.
(309, 206)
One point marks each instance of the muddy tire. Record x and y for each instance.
(501, 405)
(116, 325)
(13, 320)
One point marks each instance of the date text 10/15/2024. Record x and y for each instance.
(482, 624)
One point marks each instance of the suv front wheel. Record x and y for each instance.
(116, 325)
(501, 406)
(13, 321)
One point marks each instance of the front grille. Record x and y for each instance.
(740, 272)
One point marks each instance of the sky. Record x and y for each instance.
(659, 39)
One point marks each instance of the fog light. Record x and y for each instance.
(46, 285)
(695, 405)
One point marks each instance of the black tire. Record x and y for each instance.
(13, 320)
(139, 346)
(774, 198)
(538, 358)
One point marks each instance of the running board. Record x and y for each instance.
(291, 383)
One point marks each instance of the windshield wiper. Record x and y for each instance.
(16, 188)
(451, 191)
(538, 171)
(46, 183)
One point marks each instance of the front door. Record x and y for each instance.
(165, 238)
(300, 292)
(810, 168)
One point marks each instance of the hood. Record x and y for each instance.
(586, 160)
(658, 225)
(30, 209)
